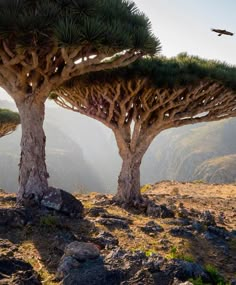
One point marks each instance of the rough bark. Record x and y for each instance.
(128, 191)
(33, 171)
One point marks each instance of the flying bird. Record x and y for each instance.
(222, 32)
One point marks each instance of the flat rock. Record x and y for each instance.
(152, 228)
(159, 211)
(63, 202)
(113, 223)
(105, 240)
(82, 251)
(97, 211)
(181, 232)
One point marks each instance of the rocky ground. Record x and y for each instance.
(186, 236)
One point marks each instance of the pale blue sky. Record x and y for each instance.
(185, 25)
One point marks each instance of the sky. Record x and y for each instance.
(185, 26)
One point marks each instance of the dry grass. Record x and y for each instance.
(34, 244)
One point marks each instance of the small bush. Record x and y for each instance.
(215, 275)
(48, 221)
(175, 254)
(150, 252)
(197, 281)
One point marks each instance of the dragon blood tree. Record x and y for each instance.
(151, 95)
(8, 122)
(45, 43)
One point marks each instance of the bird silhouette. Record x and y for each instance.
(222, 32)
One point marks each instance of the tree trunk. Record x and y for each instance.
(33, 173)
(129, 181)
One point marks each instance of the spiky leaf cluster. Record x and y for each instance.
(99, 23)
(181, 70)
(7, 116)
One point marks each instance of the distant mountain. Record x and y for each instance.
(221, 169)
(185, 153)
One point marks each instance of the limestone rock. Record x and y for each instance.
(115, 223)
(181, 232)
(97, 211)
(207, 218)
(159, 211)
(82, 251)
(152, 228)
(105, 240)
(63, 202)
(67, 263)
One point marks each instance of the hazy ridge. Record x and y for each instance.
(82, 154)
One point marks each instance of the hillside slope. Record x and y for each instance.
(135, 247)
(179, 154)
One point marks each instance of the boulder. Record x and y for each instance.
(207, 218)
(62, 201)
(220, 232)
(93, 272)
(184, 270)
(114, 223)
(159, 211)
(105, 240)
(66, 265)
(82, 251)
(97, 211)
(181, 232)
(152, 228)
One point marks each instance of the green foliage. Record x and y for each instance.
(150, 252)
(181, 70)
(7, 116)
(215, 275)
(176, 254)
(116, 24)
(197, 281)
(147, 252)
(48, 221)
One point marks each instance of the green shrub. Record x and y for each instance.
(214, 274)
(174, 253)
(48, 221)
(197, 281)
